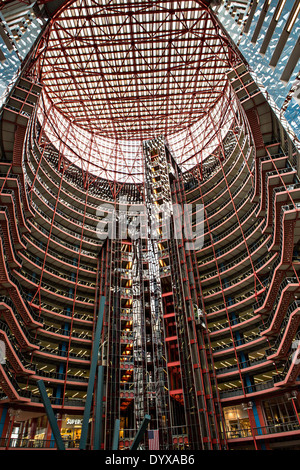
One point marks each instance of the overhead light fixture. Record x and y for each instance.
(280, 10)
(293, 19)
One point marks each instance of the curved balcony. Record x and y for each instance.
(211, 166)
(16, 322)
(11, 387)
(57, 355)
(58, 243)
(230, 235)
(238, 322)
(99, 189)
(244, 367)
(59, 378)
(15, 357)
(290, 373)
(83, 222)
(83, 318)
(229, 169)
(241, 301)
(58, 277)
(57, 259)
(222, 254)
(218, 206)
(247, 391)
(250, 341)
(288, 288)
(224, 268)
(62, 232)
(272, 430)
(42, 181)
(56, 333)
(289, 327)
(55, 293)
(233, 284)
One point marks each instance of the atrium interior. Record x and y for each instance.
(149, 250)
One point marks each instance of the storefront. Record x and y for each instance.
(34, 431)
(71, 430)
(236, 421)
(281, 410)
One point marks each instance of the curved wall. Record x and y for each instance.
(247, 267)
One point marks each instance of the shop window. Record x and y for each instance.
(71, 430)
(237, 422)
(280, 410)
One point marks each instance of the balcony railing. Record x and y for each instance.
(25, 443)
(238, 391)
(264, 430)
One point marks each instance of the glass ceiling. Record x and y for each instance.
(119, 72)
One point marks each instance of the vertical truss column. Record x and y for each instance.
(180, 284)
(112, 388)
(194, 322)
(160, 190)
(160, 376)
(138, 327)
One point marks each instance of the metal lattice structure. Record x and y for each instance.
(199, 336)
(117, 73)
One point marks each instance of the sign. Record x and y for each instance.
(72, 421)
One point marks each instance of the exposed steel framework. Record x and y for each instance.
(131, 70)
(117, 73)
(190, 336)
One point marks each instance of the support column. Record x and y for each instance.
(94, 360)
(4, 420)
(99, 410)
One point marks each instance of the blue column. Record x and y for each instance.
(99, 409)
(90, 389)
(2, 421)
(140, 432)
(115, 444)
(64, 344)
(50, 415)
(258, 425)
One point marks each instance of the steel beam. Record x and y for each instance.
(90, 389)
(115, 444)
(140, 432)
(99, 409)
(291, 63)
(50, 414)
